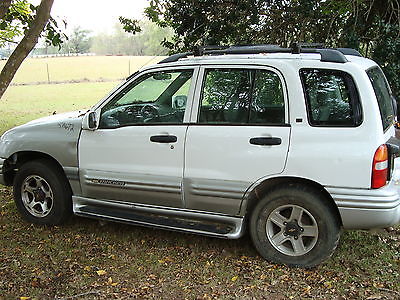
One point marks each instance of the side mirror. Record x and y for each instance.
(89, 121)
(92, 120)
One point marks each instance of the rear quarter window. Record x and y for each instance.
(383, 96)
(331, 98)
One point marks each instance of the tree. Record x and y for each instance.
(145, 42)
(79, 41)
(371, 26)
(19, 18)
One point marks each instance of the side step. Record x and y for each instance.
(176, 219)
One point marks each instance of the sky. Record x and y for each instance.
(96, 15)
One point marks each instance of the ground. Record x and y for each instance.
(116, 261)
(85, 259)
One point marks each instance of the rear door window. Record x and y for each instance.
(242, 96)
(331, 97)
(383, 95)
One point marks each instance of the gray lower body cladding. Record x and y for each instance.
(368, 208)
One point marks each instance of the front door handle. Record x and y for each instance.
(266, 141)
(163, 139)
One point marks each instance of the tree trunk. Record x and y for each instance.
(4, 6)
(26, 45)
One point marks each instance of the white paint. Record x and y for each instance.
(330, 156)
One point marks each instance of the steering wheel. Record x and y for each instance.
(149, 112)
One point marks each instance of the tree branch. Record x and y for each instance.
(4, 6)
(8, 40)
(26, 45)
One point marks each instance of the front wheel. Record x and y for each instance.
(42, 193)
(294, 225)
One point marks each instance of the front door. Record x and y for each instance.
(241, 134)
(137, 153)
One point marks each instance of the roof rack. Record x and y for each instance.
(336, 55)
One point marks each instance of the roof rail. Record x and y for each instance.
(349, 51)
(175, 57)
(327, 55)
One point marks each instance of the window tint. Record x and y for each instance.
(158, 97)
(383, 96)
(332, 99)
(268, 104)
(226, 96)
(241, 96)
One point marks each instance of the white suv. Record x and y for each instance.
(293, 143)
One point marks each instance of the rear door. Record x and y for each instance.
(240, 135)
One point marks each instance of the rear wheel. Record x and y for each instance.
(294, 225)
(42, 193)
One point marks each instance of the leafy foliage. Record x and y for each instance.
(18, 20)
(15, 21)
(205, 22)
(79, 41)
(131, 26)
(386, 51)
(371, 26)
(145, 42)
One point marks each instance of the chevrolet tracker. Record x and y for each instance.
(293, 144)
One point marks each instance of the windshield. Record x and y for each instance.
(383, 95)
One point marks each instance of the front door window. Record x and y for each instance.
(154, 98)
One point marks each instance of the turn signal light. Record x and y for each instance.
(380, 167)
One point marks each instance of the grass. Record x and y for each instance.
(118, 261)
(80, 68)
(122, 262)
(24, 103)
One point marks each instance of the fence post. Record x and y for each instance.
(48, 73)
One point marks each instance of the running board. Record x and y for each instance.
(175, 219)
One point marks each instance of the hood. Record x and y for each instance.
(68, 121)
(64, 117)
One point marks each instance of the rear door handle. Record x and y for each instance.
(266, 141)
(163, 139)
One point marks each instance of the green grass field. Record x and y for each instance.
(82, 260)
(80, 68)
(21, 104)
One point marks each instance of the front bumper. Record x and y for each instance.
(365, 208)
(2, 181)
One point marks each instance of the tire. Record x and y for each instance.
(42, 193)
(295, 225)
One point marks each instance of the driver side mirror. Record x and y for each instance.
(89, 121)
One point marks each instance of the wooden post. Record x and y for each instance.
(48, 74)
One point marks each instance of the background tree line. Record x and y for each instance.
(371, 26)
(117, 42)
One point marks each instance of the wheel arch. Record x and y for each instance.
(255, 193)
(16, 160)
